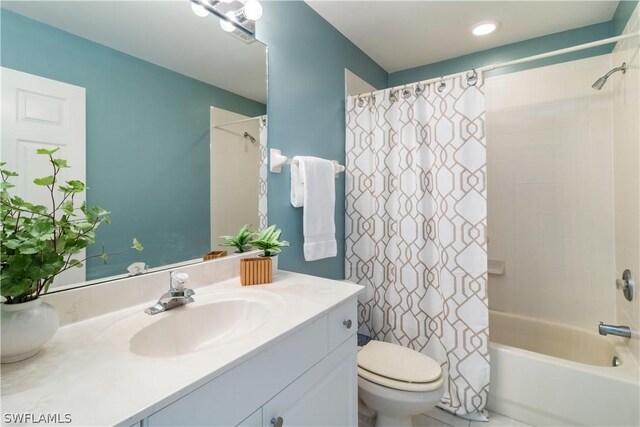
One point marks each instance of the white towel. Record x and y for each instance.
(313, 187)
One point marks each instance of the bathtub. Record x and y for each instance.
(545, 374)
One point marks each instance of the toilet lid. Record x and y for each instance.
(364, 375)
(398, 363)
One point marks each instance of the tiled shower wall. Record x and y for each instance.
(550, 193)
(626, 160)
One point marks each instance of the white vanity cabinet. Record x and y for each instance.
(307, 378)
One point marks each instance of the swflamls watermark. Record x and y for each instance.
(32, 418)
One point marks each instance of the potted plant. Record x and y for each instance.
(269, 242)
(241, 241)
(37, 244)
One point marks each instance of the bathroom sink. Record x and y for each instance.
(214, 319)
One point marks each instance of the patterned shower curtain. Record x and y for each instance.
(415, 227)
(262, 175)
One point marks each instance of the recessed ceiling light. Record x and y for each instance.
(485, 27)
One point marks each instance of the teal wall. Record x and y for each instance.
(514, 51)
(526, 48)
(147, 141)
(623, 13)
(307, 58)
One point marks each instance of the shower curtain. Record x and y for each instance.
(415, 227)
(262, 175)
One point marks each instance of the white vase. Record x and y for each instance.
(26, 328)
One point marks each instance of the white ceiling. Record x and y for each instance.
(165, 33)
(405, 34)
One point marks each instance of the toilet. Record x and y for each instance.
(397, 383)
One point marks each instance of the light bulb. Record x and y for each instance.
(484, 28)
(226, 25)
(252, 10)
(199, 9)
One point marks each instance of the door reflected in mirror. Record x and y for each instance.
(157, 112)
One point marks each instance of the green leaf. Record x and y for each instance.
(75, 263)
(29, 249)
(98, 211)
(85, 226)
(137, 246)
(13, 286)
(19, 262)
(12, 244)
(47, 180)
(73, 186)
(42, 229)
(67, 207)
(60, 245)
(39, 209)
(17, 201)
(47, 152)
(61, 163)
(268, 241)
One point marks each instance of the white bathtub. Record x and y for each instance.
(548, 374)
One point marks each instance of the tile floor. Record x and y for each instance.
(439, 418)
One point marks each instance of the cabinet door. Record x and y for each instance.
(326, 395)
(253, 420)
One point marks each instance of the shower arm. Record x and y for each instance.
(622, 68)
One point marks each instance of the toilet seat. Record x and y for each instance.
(398, 367)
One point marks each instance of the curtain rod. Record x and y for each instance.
(559, 52)
(236, 122)
(521, 60)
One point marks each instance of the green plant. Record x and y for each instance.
(268, 241)
(241, 241)
(39, 242)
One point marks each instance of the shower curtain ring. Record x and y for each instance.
(472, 78)
(442, 86)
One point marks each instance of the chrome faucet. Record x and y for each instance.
(177, 295)
(621, 331)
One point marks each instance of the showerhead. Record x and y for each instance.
(599, 84)
(250, 137)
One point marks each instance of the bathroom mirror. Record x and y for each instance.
(154, 84)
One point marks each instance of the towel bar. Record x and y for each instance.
(277, 160)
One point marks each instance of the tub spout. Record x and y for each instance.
(621, 331)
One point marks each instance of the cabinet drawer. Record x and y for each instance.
(343, 322)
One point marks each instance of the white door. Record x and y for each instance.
(43, 113)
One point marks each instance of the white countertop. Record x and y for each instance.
(89, 372)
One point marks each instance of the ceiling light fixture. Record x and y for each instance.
(229, 25)
(252, 10)
(485, 27)
(199, 9)
(233, 18)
